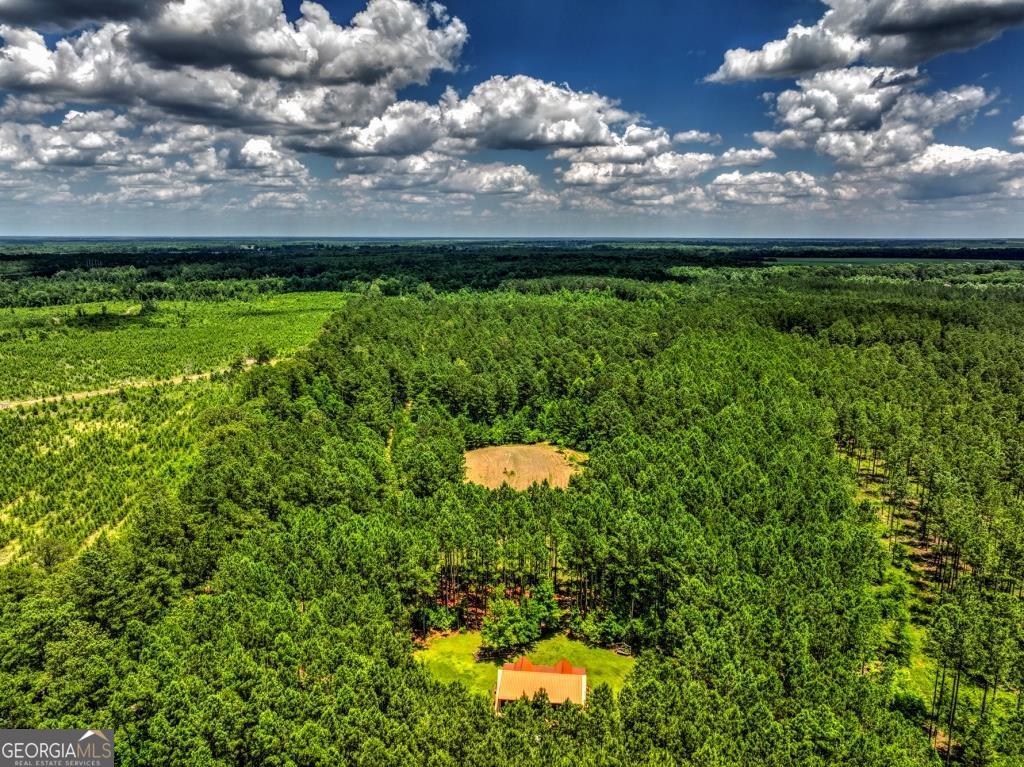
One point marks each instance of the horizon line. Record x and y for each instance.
(496, 238)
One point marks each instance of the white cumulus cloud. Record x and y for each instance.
(892, 32)
(867, 115)
(1018, 138)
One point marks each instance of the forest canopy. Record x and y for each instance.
(803, 487)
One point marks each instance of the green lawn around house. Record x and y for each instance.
(453, 659)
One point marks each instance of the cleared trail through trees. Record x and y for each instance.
(910, 531)
(902, 539)
(107, 391)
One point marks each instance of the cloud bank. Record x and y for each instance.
(229, 105)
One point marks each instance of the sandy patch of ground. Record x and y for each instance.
(521, 465)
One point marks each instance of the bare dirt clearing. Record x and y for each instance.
(521, 465)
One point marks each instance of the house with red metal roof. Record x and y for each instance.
(563, 683)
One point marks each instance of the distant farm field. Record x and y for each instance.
(868, 260)
(520, 466)
(453, 659)
(66, 349)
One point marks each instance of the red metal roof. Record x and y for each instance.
(562, 667)
(563, 682)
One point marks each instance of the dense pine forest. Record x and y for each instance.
(802, 508)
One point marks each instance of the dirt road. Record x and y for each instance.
(144, 384)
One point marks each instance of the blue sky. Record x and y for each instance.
(393, 117)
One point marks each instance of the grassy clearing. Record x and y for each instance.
(83, 347)
(452, 659)
(520, 466)
(603, 666)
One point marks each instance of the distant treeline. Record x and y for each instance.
(36, 273)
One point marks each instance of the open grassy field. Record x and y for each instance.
(520, 466)
(865, 260)
(452, 659)
(83, 347)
